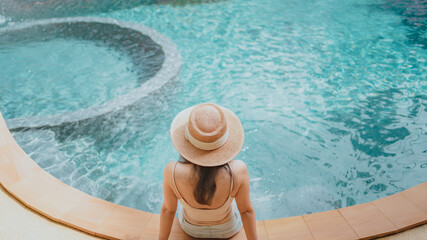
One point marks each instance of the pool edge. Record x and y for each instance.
(35, 188)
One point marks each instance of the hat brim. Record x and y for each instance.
(217, 157)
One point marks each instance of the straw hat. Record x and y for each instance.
(207, 134)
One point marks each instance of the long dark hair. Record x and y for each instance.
(206, 185)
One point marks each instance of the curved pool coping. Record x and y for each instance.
(40, 191)
(169, 71)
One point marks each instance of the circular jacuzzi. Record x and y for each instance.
(70, 69)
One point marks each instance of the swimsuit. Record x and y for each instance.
(202, 223)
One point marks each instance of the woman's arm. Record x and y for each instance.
(244, 202)
(167, 212)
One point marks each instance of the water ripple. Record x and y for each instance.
(332, 96)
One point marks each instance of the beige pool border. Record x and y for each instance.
(40, 191)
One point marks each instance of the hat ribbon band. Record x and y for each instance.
(205, 145)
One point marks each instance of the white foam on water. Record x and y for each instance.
(292, 202)
(2, 19)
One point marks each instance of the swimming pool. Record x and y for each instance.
(332, 96)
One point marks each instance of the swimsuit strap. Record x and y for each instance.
(173, 180)
(232, 179)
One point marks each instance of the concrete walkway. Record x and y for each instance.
(418, 233)
(19, 222)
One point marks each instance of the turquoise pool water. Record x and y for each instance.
(59, 66)
(33, 87)
(332, 96)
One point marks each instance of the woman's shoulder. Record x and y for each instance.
(169, 166)
(240, 175)
(238, 166)
(181, 169)
(167, 174)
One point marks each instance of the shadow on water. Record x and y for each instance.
(376, 123)
(414, 15)
(385, 131)
(28, 9)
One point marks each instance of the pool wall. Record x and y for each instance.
(43, 193)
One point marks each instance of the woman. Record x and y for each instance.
(208, 137)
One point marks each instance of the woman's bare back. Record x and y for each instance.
(186, 179)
